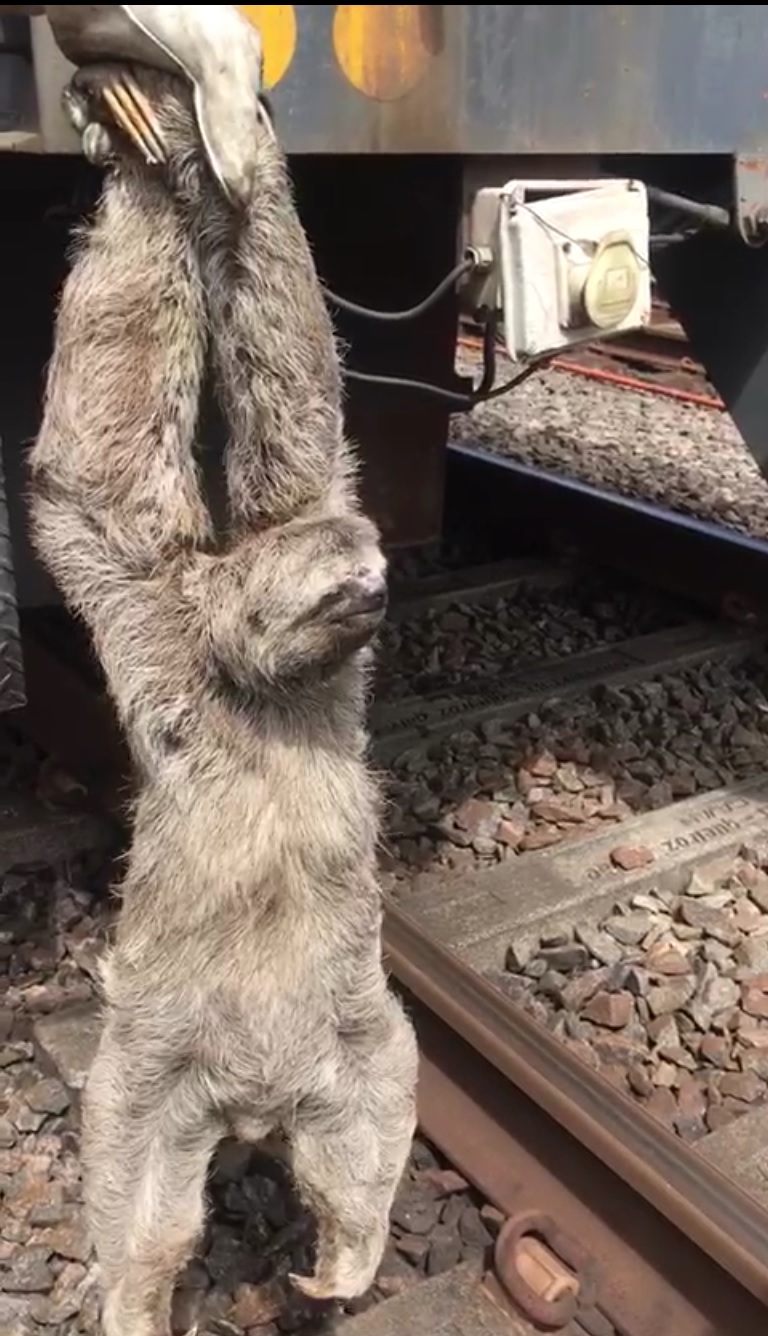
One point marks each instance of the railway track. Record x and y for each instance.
(589, 1207)
(655, 359)
(720, 567)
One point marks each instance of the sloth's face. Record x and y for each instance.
(319, 588)
(299, 598)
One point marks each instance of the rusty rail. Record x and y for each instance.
(562, 1142)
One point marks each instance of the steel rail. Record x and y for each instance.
(695, 557)
(725, 1223)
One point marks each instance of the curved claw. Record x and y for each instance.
(111, 94)
(133, 113)
(213, 46)
(97, 145)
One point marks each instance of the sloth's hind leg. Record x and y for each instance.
(350, 1144)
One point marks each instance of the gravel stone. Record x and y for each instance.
(666, 1075)
(444, 1252)
(8, 1134)
(755, 1060)
(640, 1082)
(670, 997)
(48, 1097)
(600, 945)
(28, 1273)
(69, 1241)
(754, 1001)
(663, 1031)
(744, 1086)
(473, 1230)
(25, 1119)
(690, 1122)
(715, 922)
(758, 893)
(630, 857)
(668, 962)
(630, 929)
(715, 994)
(717, 1050)
(416, 1217)
(414, 1247)
(662, 1105)
(520, 953)
(578, 992)
(566, 959)
(68, 1041)
(613, 1011)
(609, 437)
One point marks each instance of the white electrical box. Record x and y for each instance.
(572, 262)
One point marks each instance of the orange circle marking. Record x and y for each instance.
(278, 28)
(384, 50)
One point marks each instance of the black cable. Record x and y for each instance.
(512, 384)
(712, 214)
(462, 403)
(413, 312)
(671, 238)
(490, 332)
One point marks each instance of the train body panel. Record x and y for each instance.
(471, 79)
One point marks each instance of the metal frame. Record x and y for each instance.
(485, 79)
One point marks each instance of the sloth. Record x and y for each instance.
(244, 992)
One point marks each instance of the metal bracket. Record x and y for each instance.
(750, 192)
(547, 1274)
(550, 1277)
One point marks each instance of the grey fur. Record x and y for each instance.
(245, 991)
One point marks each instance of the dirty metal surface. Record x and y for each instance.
(12, 690)
(518, 78)
(649, 1280)
(718, 289)
(751, 196)
(496, 79)
(679, 553)
(360, 217)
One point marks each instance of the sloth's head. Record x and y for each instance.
(295, 600)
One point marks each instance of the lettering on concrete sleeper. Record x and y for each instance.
(487, 694)
(720, 819)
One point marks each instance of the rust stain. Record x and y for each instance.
(385, 50)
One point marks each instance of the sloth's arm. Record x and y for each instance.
(276, 356)
(275, 353)
(115, 486)
(273, 344)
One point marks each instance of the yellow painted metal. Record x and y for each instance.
(384, 50)
(279, 31)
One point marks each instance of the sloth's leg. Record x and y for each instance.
(149, 1133)
(350, 1143)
